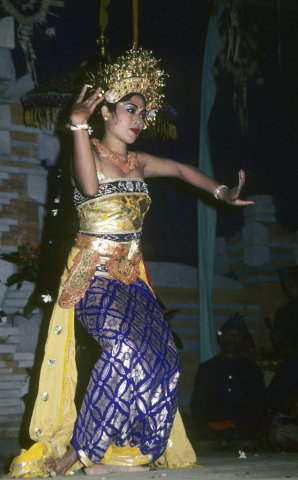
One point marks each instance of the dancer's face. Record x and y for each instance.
(128, 120)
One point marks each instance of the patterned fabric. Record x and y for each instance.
(133, 390)
(113, 214)
(113, 187)
(109, 239)
(118, 237)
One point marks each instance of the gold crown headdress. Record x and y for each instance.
(136, 72)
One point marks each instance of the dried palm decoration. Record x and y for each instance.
(240, 56)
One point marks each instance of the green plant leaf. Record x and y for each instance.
(12, 279)
(171, 314)
(160, 302)
(29, 307)
(177, 340)
(10, 257)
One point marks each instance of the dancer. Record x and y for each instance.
(127, 415)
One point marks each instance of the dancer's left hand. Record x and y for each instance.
(231, 196)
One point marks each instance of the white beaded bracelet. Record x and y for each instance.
(218, 190)
(84, 126)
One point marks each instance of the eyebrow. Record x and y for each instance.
(134, 105)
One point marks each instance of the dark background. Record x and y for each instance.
(176, 31)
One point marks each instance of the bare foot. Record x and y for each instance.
(98, 469)
(59, 466)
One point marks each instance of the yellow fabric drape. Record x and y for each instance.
(179, 452)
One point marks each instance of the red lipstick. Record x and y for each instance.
(135, 130)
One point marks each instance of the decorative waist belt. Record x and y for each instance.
(116, 237)
(120, 260)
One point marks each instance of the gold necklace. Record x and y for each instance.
(125, 163)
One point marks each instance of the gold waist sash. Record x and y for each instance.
(121, 261)
(113, 214)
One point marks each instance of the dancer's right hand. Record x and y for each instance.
(82, 109)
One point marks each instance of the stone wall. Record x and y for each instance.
(254, 256)
(23, 191)
(24, 154)
(13, 379)
(23, 186)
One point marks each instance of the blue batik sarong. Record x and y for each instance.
(132, 393)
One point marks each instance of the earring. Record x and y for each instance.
(106, 117)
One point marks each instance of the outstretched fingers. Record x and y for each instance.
(241, 181)
(243, 203)
(241, 184)
(95, 99)
(83, 108)
(232, 196)
(82, 94)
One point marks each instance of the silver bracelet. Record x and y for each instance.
(84, 126)
(218, 190)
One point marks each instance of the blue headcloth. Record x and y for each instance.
(236, 321)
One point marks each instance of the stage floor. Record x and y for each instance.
(218, 466)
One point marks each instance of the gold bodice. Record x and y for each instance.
(119, 207)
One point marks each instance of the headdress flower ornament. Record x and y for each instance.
(135, 72)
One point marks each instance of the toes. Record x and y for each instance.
(50, 465)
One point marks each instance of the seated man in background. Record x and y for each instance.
(282, 399)
(284, 335)
(229, 392)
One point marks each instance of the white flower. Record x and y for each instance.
(242, 454)
(50, 32)
(47, 298)
(90, 130)
(151, 114)
(110, 96)
(54, 212)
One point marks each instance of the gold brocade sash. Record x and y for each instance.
(121, 260)
(113, 213)
(124, 262)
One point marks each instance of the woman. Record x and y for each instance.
(127, 415)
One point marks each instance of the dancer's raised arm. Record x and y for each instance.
(163, 167)
(83, 166)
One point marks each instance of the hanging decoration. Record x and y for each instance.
(135, 18)
(44, 104)
(239, 55)
(28, 14)
(165, 124)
